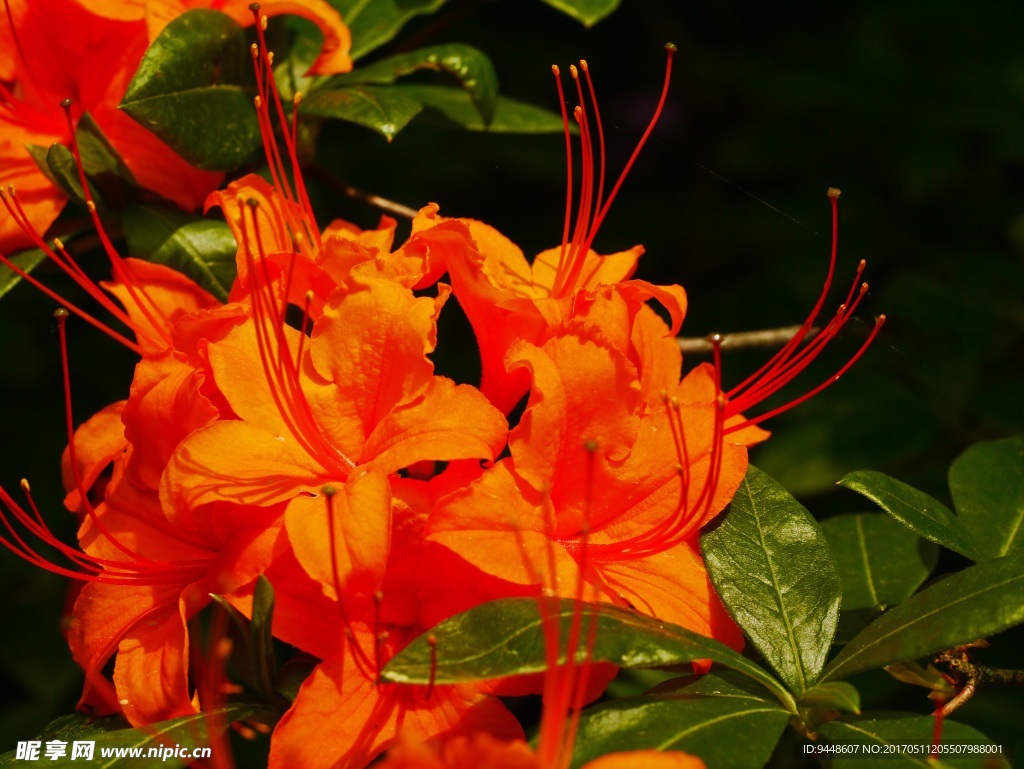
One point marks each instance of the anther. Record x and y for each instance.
(60, 313)
(263, 23)
(591, 445)
(255, 50)
(270, 54)
(25, 486)
(258, 102)
(58, 244)
(252, 202)
(574, 72)
(254, 6)
(65, 104)
(577, 113)
(715, 339)
(555, 70)
(584, 66)
(297, 98)
(328, 491)
(834, 192)
(90, 206)
(671, 47)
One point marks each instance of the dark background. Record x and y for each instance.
(916, 110)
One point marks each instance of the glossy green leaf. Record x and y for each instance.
(914, 509)
(987, 484)
(901, 741)
(190, 732)
(506, 637)
(201, 248)
(724, 683)
(699, 725)
(974, 603)
(452, 106)
(773, 570)
(880, 561)
(587, 11)
(194, 89)
(25, 261)
(470, 65)
(375, 22)
(386, 110)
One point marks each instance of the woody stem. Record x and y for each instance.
(743, 340)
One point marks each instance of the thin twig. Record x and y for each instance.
(367, 197)
(741, 340)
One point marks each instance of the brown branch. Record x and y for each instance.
(742, 340)
(377, 201)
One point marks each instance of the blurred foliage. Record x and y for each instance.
(915, 110)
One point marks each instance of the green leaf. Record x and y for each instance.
(203, 249)
(914, 509)
(587, 11)
(901, 741)
(452, 106)
(703, 726)
(835, 695)
(63, 172)
(987, 484)
(773, 570)
(25, 261)
(111, 733)
(194, 89)
(506, 637)
(375, 22)
(881, 562)
(974, 603)
(386, 110)
(470, 65)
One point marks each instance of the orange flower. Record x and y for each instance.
(43, 67)
(508, 299)
(356, 619)
(588, 463)
(146, 573)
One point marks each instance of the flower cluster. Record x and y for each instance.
(299, 432)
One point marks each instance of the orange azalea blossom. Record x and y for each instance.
(588, 462)
(145, 575)
(342, 716)
(508, 299)
(42, 67)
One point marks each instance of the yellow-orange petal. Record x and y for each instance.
(673, 586)
(232, 461)
(98, 441)
(166, 404)
(647, 759)
(151, 672)
(361, 534)
(445, 422)
(372, 342)
(341, 720)
(584, 393)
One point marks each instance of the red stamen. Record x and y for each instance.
(432, 642)
(589, 215)
(361, 660)
(149, 308)
(568, 170)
